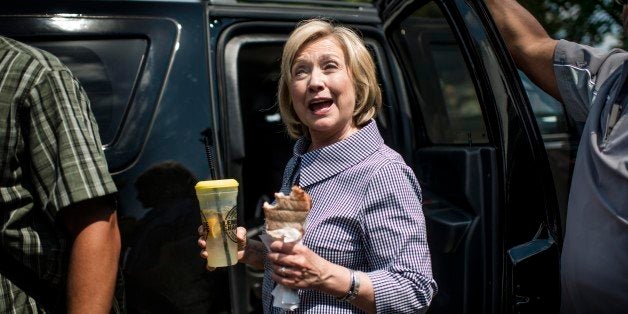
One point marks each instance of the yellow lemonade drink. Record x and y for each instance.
(220, 229)
(218, 202)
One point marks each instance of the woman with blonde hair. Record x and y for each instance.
(364, 246)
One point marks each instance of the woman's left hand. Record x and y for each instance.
(296, 266)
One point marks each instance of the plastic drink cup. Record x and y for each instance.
(218, 202)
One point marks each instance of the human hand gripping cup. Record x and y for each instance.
(218, 200)
(241, 244)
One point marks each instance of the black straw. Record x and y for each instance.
(208, 139)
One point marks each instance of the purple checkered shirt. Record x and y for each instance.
(366, 216)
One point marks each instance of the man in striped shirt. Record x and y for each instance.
(59, 239)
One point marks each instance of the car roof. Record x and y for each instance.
(332, 3)
(337, 3)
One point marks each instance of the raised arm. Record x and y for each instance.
(528, 43)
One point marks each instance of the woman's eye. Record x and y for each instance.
(298, 72)
(330, 65)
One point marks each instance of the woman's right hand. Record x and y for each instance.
(240, 235)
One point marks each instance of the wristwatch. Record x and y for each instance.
(353, 289)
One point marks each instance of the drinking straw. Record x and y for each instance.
(208, 139)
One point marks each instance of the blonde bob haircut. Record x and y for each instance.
(359, 63)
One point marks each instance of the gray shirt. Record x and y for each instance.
(594, 264)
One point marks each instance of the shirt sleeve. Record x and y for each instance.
(67, 161)
(396, 242)
(580, 71)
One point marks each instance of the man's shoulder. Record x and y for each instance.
(598, 62)
(34, 57)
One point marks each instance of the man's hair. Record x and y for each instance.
(358, 60)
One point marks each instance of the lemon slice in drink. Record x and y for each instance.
(213, 227)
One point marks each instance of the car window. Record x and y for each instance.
(549, 113)
(449, 104)
(560, 144)
(107, 69)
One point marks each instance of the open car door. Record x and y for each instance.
(489, 198)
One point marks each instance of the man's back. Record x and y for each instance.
(50, 159)
(594, 257)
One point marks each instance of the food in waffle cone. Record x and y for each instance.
(288, 210)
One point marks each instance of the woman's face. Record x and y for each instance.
(322, 92)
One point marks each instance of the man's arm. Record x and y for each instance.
(93, 226)
(528, 43)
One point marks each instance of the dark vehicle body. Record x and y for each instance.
(159, 73)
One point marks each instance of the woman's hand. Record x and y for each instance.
(296, 266)
(240, 235)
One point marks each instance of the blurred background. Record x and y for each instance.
(592, 22)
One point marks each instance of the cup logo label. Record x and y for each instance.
(231, 224)
(214, 224)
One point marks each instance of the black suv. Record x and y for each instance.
(160, 73)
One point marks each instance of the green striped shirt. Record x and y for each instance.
(50, 157)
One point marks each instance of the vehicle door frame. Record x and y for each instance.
(501, 107)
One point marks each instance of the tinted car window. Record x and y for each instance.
(107, 69)
(449, 104)
(559, 143)
(549, 113)
(461, 102)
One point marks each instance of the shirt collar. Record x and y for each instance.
(330, 160)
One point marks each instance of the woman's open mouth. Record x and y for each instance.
(320, 106)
